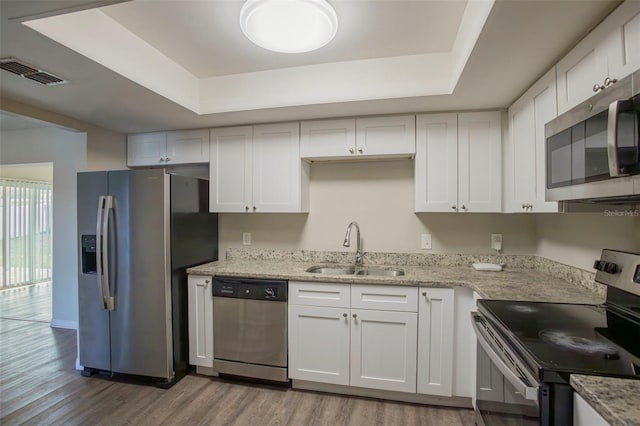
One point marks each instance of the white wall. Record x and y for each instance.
(379, 196)
(68, 153)
(41, 172)
(577, 239)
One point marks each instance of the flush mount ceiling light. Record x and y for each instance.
(289, 26)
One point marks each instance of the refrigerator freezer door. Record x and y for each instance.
(141, 335)
(93, 324)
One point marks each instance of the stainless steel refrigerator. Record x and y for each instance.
(138, 231)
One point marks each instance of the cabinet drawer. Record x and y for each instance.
(384, 298)
(319, 294)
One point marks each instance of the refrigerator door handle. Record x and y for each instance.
(99, 250)
(108, 205)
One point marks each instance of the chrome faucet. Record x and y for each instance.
(347, 242)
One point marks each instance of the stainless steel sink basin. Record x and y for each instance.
(332, 270)
(381, 272)
(350, 270)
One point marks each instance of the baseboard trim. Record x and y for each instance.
(448, 401)
(70, 325)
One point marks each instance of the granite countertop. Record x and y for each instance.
(616, 400)
(510, 284)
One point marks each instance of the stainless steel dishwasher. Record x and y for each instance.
(250, 328)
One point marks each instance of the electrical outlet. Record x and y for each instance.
(496, 241)
(425, 241)
(246, 238)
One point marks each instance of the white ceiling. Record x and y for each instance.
(519, 42)
(208, 40)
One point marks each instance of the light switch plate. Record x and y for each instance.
(246, 238)
(496, 241)
(425, 241)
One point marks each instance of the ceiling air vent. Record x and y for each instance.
(27, 71)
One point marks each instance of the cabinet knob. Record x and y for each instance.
(344, 315)
(246, 208)
(597, 87)
(529, 206)
(355, 315)
(454, 207)
(206, 281)
(167, 159)
(424, 293)
(360, 150)
(464, 207)
(523, 205)
(609, 81)
(351, 150)
(162, 160)
(254, 208)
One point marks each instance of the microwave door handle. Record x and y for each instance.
(528, 392)
(612, 132)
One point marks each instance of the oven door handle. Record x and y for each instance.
(528, 392)
(615, 108)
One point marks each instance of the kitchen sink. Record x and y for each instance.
(381, 272)
(350, 270)
(332, 270)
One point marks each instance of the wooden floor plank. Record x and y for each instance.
(39, 385)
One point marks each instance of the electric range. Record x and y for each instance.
(528, 350)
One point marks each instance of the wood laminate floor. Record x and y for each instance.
(28, 303)
(39, 385)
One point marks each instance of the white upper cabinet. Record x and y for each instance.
(524, 154)
(162, 148)
(436, 163)
(188, 146)
(458, 163)
(146, 149)
(479, 162)
(373, 137)
(230, 183)
(611, 50)
(327, 138)
(258, 169)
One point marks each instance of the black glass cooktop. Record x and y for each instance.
(559, 338)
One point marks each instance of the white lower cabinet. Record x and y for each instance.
(584, 414)
(200, 320)
(383, 349)
(319, 344)
(358, 346)
(435, 341)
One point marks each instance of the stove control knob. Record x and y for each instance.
(610, 268)
(269, 293)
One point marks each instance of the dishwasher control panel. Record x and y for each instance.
(247, 288)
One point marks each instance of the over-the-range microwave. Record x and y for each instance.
(593, 150)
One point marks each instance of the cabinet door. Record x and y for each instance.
(525, 155)
(393, 135)
(230, 169)
(623, 42)
(490, 381)
(328, 138)
(582, 68)
(277, 168)
(584, 414)
(436, 163)
(545, 109)
(146, 149)
(383, 349)
(200, 321)
(319, 344)
(479, 162)
(435, 341)
(520, 157)
(188, 146)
